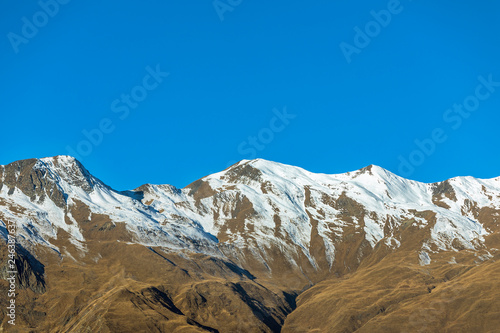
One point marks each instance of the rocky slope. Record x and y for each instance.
(232, 251)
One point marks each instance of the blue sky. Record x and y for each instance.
(252, 79)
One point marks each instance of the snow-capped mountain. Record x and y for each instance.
(254, 208)
(41, 195)
(233, 250)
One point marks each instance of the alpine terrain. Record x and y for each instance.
(258, 247)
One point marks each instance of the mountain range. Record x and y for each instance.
(258, 247)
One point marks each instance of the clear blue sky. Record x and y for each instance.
(227, 76)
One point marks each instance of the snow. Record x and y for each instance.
(424, 258)
(374, 231)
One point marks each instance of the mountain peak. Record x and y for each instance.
(60, 161)
(63, 159)
(374, 170)
(371, 167)
(68, 169)
(47, 177)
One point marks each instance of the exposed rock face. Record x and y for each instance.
(232, 251)
(30, 272)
